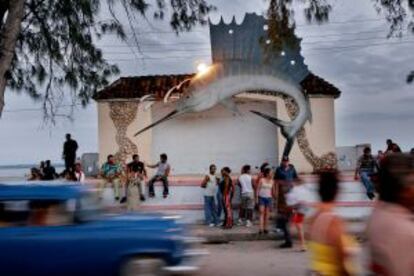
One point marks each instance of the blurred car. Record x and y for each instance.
(58, 230)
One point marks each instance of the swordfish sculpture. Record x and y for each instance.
(216, 87)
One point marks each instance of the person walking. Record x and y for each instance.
(284, 177)
(264, 195)
(329, 245)
(111, 172)
(209, 185)
(366, 168)
(227, 190)
(163, 171)
(69, 152)
(390, 230)
(247, 196)
(293, 199)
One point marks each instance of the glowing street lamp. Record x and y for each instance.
(202, 68)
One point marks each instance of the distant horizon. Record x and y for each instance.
(28, 165)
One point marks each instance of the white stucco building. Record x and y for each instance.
(193, 141)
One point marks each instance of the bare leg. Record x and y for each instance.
(301, 233)
(261, 220)
(266, 218)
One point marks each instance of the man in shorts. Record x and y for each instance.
(247, 196)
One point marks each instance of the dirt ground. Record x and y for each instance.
(253, 258)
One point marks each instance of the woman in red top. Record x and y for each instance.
(227, 190)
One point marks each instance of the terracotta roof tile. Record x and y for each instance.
(158, 85)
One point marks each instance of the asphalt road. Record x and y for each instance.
(253, 258)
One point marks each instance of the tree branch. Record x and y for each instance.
(9, 35)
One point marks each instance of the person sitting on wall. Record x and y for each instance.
(136, 174)
(392, 147)
(41, 168)
(366, 168)
(163, 170)
(34, 175)
(111, 172)
(79, 174)
(380, 158)
(49, 172)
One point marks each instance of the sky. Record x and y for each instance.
(350, 51)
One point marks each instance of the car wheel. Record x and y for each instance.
(143, 267)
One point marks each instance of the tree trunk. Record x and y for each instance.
(8, 36)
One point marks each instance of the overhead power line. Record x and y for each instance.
(321, 49)
(164, 48)
(207, 42)
(358, 21)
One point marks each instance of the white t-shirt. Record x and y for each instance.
(211, 188)
(295, 198)
(162, 168)
(246, 183)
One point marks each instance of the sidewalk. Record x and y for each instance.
(237, 233)
(242, 233)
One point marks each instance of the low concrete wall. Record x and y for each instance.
(186, 198)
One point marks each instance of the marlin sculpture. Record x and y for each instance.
(216, 87)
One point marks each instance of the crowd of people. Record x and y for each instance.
(389, 177)
(73, 169)
(268, 190)
(46, 172)
(132, 178)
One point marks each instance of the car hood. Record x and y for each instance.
(140, 221)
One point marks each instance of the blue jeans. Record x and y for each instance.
(210, 210)
(366, 180)
(220, 206)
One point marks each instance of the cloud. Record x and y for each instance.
(376, 102)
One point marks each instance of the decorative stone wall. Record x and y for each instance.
(325, 161)
(122, 115)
